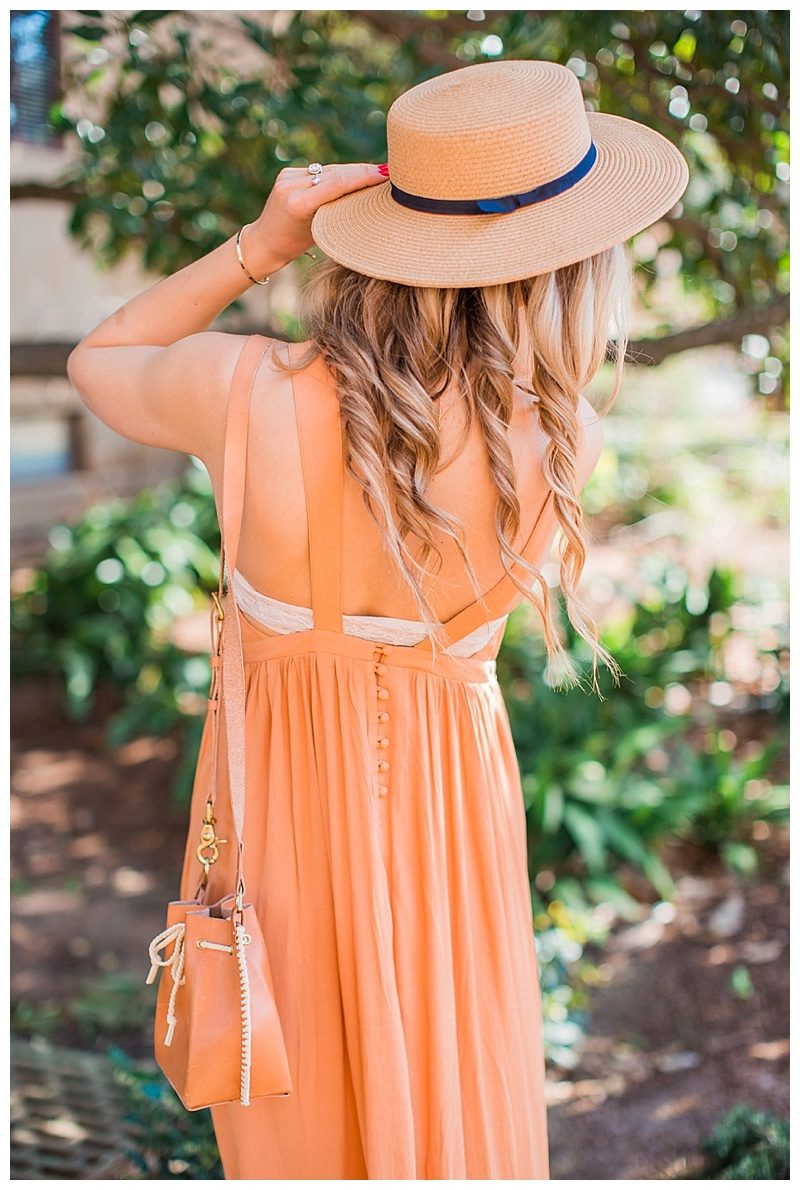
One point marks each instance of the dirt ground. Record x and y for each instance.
(97, 849)
(678, 1033)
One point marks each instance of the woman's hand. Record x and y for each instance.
(283, 229)
(152, 370)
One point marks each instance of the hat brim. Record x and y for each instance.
(637, 177)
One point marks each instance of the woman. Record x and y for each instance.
(435, 411)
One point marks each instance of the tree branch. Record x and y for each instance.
(750, 320)
(404, 26)
(42, 190)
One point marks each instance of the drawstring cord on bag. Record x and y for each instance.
(174, 933)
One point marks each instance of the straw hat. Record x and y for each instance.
(497, 172)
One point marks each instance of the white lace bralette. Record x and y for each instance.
(286, 618)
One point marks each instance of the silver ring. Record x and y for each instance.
(316, 169)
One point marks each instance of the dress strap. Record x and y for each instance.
(504, 596)
(320, 431)
(234, 467)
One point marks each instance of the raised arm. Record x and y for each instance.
(152, 370)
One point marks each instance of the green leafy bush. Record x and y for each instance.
(174, 1143)
(111, 1003)
(606, 782)
(566, 976)
(108, 1004)
(100, 606)
(749, 1144)
(737, 794)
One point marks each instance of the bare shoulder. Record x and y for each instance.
(272, 433)
(593, 441)
(215, 355)
(171, 396)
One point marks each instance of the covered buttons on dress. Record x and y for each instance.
(382, 694)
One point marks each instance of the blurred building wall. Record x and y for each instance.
(62, 457)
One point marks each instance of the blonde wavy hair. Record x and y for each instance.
(393, 349)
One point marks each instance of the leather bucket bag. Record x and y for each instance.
(217, 1033)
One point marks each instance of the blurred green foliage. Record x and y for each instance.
(606, 782)
(36, 1018)
(109, 1004)
(182, 133)
(174, 1143)
(564, 936)
(748, 1145)
(100, 608)
(101, 605)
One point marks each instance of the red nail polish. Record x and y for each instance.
(384, 169)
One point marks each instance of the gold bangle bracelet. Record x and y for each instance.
(241, 258)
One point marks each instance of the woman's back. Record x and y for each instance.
(274, 556)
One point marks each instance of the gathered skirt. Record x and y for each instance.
(396, 911)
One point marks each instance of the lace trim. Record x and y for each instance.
(286, 618)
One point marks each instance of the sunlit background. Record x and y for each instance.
(657, 818)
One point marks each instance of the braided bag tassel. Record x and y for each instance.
(241, 940)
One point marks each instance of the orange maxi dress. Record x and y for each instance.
(395, 902)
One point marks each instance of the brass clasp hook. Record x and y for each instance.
(209, 839)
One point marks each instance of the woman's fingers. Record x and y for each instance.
(349, 176)
(335, 180)
(283, 230)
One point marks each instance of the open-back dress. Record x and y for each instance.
(385, 855)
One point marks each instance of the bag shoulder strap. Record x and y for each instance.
(234, 471)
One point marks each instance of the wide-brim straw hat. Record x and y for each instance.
(498, 172)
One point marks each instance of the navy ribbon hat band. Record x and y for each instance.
(508, 202)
